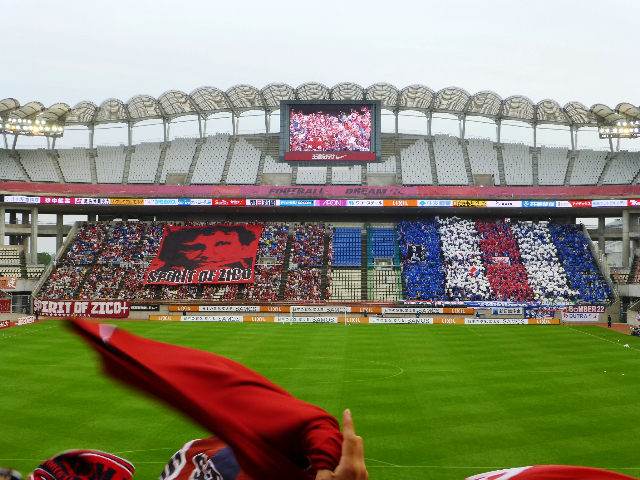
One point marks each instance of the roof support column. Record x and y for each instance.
(618, 145)
(34, 236)
(15, 140)
(429, 122)
(573, 144)
(266, 121)
(48, 143)
(576, 135)
(59, 231)
(463, 126)
(6, 145)
(610, 144)
(164, 129)
(91, 134)
(233, 123)
(129, 133)
(53, 144)
(498, 129)
(3, 214)
(535, 139)
(397, 114)
(205, 126)
(625, 238)
(200, 125)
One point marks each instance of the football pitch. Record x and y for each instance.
(430, 401)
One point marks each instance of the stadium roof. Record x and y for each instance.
(206, 101)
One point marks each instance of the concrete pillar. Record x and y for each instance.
(601, 240)
(625, 239)
(25, 238)
(59, 231)
(34, 235)
(91, 217)
(3, 214)
(13, 219)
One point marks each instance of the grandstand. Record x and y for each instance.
(354, 245)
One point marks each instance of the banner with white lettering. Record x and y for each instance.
(218, 253)
(80, 308)
(211, 318)
(580, 317)
(307, 319)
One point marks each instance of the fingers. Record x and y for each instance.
(352, 445)
(324, 474)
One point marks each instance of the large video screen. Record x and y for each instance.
(330, 128)
(344, 131)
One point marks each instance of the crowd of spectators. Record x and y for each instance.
(223, 293)
(547, 277)
(266, 286)
(331, 133)
(462, 258)
(122, 243)
(178, 292)
(102, 282)
(151, 241)
(134, 288)
(304, 284)
(578, 262)
(307, 247)
(273, 241)
(504, 270)
(421, 253)
(88, 243)
(64, 281)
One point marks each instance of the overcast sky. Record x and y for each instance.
(68, 51)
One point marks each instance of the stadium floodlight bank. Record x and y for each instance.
(330, 131)
(622, 129)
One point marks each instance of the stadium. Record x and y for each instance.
(470, 286)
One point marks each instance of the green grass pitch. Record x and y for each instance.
(431, 401)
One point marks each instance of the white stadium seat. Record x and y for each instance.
(9, 168)
(346, 175)
(210, 165)
(552, 166)
(388, 166)
(449, 161)
(518, 164)
(311, 176)
(416, 166)
(483, 158)
(588, 167)
(39, 165)
(271, 166)
(144, 163)
(75, 165)
(623, 169)
(110, 164)
(245, 161)
(178, 157)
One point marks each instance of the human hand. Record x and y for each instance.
(351, 466)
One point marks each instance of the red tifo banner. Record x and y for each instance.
(79, 308)
(218, 253)
(5, 305)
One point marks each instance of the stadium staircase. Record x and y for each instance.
(163, 155)
(128, 151)
(285, 265)
(603, 266)
(535, 154)
(227, 162)
(572, 161)
(634, 269)
(16, 158)
(432, 162)
(503, 179)
(194, 161)
(467, 162)
(329, 175)
(269, 145)
(294, 174)
(56, 166)
(636, 179)
(325, 262)
(92, 165)
(606, 168)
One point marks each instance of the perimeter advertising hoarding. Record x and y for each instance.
(329, 131)
(215, 254)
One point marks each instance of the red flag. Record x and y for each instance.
(274, 436)
(551, 472)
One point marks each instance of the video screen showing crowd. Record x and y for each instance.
(330, 128)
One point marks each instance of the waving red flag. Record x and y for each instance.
(274, 436)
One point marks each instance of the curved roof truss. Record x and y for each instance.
(206, 101)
